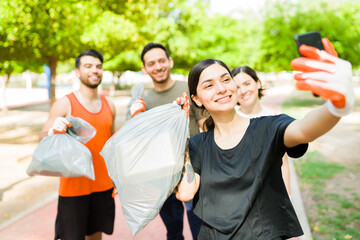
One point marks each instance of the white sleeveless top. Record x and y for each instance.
(263, 112)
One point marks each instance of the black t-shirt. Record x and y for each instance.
(242, 194)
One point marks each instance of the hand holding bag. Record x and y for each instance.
(144, 160)
(64, 155)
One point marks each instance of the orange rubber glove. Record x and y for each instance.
(183, 101)
(326, 75)
(60, 125)
(137, 107)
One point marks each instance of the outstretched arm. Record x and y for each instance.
(60, 109)
(315, 124)
(329, 77)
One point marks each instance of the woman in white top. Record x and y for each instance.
(250, 91)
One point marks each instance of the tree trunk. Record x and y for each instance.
(3, 84)
(52, 64)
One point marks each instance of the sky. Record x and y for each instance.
(225, 6)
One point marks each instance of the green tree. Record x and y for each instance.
(124, 28)
(277, 46)
(46, 31)
(198, 35)
(283, 20)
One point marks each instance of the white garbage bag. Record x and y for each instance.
(144, 160)
(64, 155)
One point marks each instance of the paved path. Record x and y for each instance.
(39, 225)
(37, 221)
(34, 212)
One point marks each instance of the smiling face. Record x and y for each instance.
(157, 65)
(248, 89)
(90, 71)
(216, 90)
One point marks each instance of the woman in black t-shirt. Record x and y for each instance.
(236, 164)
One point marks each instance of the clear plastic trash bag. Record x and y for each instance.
(136, 92)
(64, 155)
(144, 160)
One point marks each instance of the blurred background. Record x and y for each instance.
(39, 40)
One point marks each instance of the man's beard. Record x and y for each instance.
(163, 80)
(89, 85)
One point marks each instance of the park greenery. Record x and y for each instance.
(333, 214)
(333, 208)
(52, 32)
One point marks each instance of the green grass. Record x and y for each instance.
(333, 215)
(314, 170)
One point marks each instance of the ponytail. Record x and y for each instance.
(209, 121)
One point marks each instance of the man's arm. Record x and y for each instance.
(113, 110)
(135, 108)
(128, 113)
(60, 108)
(133, 105)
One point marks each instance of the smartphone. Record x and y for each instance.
(311, 39)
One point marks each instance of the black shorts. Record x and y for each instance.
(85, 215)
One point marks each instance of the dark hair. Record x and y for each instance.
(252, 73)
(152, 45)
(90, 52)
(193, 81)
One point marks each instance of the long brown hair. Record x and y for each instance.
(252, 73)
(193, 81)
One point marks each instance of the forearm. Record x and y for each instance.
(61, 108)
(42, 135)
(189, 182)
(318, 122)
(46, 127)
(315, 124)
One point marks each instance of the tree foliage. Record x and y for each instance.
(43, 30)
(48, 31)
(283, 19)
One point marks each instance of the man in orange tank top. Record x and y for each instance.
(86, 208)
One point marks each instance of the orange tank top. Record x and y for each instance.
(102, 122)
